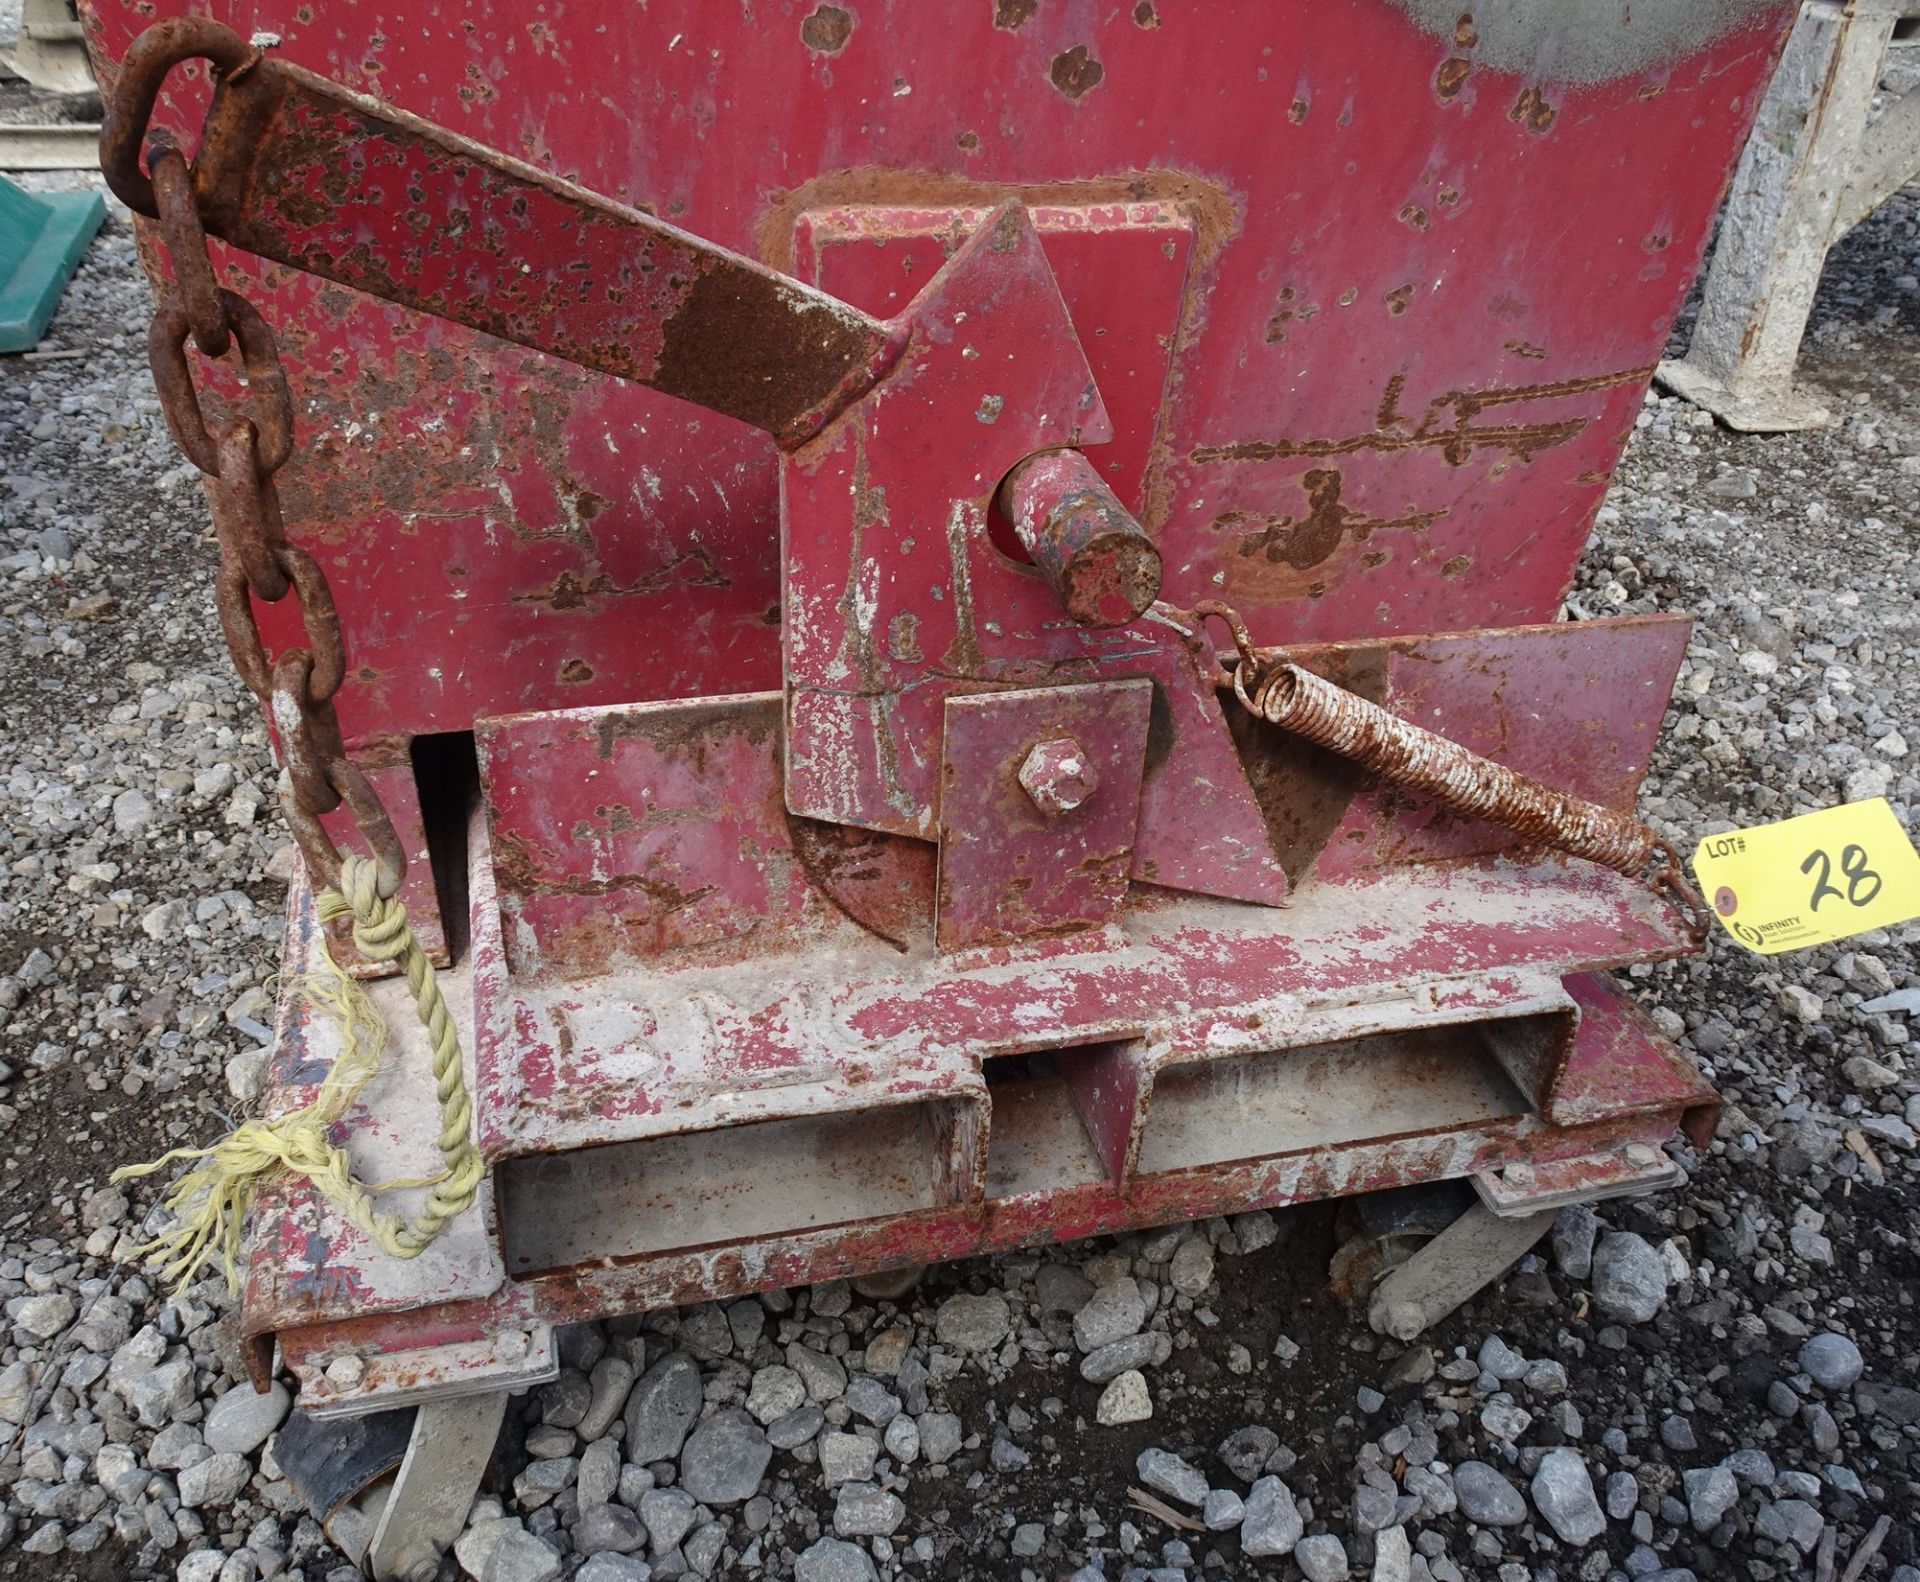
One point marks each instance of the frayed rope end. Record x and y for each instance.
(209, 1204)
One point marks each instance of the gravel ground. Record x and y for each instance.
(1717, 1382)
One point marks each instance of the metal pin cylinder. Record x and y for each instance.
(1082, 539)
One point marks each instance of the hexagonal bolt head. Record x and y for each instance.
(1058, 776)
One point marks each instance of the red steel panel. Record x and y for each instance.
(1431, 263)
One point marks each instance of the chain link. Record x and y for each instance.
(241, 451)
(309, 737)
(269, 401)
(193, 279)
(315, 598)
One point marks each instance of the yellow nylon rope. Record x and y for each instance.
(210, 1202)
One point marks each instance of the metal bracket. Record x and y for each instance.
(434, 1486)
(512, 1359)
(1523, 1188)
(895, 598)
(1039, 807)
(393, 1488)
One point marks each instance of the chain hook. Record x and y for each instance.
(1219, 610)
(128, 106)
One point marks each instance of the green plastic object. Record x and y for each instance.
(42, 235)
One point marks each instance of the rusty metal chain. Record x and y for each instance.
(1273, 688)
(241, 451)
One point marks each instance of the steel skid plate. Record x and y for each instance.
(712, 1052)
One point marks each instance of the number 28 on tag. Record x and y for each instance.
(1808, 880)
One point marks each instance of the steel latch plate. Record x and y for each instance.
(1521, 1188)
(513, 1358)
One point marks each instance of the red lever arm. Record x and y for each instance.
(307, 173)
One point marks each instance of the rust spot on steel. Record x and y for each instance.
(568, 590)
(1413, 215)
(1398, 299)
(575, 672)
(377, 753)
(337, 482)
(1525, 349)
(688, 733)
(1306, 541)
(1451, 77)
(1144, 15)
(1012, 15)
(1288, 313)
(1532, 111)
(1083, 540)
(731, 346)
(520, 869)
(1075, 72)
(1456, 440)
(827, 29)
(903, 638)
(1465, 36)
(1297, 111)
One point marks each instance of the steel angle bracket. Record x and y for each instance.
(896, 599)
(510, 1357)
(1523, 1187)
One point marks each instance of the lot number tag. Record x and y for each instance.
(1808, 880)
